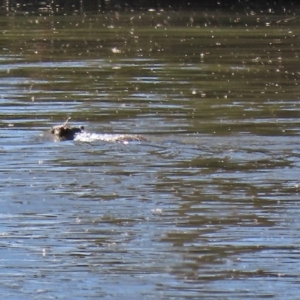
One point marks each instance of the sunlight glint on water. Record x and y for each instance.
(205, 207)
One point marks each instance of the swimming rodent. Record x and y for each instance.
(65, 132)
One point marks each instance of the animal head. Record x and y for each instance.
(66, 132)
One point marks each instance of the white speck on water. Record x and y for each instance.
(157, 211)
(115, 50)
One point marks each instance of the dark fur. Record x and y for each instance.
(65, 132)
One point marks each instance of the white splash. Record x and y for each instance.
(106, 137)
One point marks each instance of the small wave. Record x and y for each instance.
(106, 137)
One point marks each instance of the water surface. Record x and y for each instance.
(207, 207)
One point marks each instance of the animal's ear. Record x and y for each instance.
(81, 127)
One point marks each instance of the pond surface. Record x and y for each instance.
(208, 207)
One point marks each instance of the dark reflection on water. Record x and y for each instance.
(207, 207)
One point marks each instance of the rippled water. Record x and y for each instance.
(206, 207)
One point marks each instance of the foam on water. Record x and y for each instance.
(106, 137)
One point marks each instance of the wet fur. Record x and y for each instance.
(65, 132)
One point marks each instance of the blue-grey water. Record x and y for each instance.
(206, 208)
